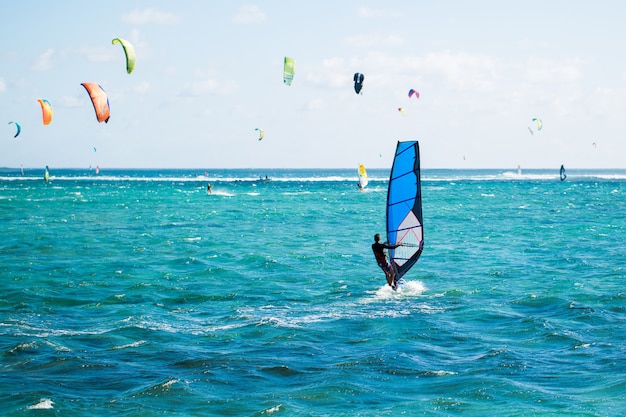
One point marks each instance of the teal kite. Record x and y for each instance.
(19, 129)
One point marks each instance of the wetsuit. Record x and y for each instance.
(381, 258)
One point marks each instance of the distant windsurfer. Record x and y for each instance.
(208, 188)
(381, 258)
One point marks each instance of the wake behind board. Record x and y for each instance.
(399, 284)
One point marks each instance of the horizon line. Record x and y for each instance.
(302, 168)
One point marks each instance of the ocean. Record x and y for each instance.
(135, 293)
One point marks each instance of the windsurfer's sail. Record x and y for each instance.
(362, 176)
(404, 208)
(562, 173)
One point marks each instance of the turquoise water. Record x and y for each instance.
(136, 293)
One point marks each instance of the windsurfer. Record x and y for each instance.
(381, 258)
(208, 188)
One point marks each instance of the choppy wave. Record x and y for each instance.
(146, 296)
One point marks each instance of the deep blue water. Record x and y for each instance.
(133, 292)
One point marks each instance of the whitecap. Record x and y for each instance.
(272, 410)
(222, 193)
(130, 345)
(405, 289)
(43, 404)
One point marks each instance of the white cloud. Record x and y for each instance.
(461, 70)
(248, 14)
(135, 38)
(70, 101)
(209, 86)
(142, 88)
(458, 71)
(146, 16)
(370, 41)
(315, 104)
(43, 62)
(330, 75)
(605, 102)
(101, 53)
(552, 71)
(368, 13)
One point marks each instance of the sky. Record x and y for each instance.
(209, 72)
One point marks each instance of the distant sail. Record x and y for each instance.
(362, 176)
(562, 173)
(46, 174)
(289, 70)
(404, 208)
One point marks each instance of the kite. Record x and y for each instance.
(99, 100)
(414, 93)
(261, 133)
(46, 111)
(129, 51)
(358, 82)
(19, 129)
(401, 110)
(539, 123)
(289, 70)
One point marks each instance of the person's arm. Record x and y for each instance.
(387, 246)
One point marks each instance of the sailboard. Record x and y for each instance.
(404, 208)
(562, 174)
(362, 176)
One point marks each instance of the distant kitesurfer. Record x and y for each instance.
(381, 258)
(208, 188)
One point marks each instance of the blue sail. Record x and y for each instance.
(404, 208)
